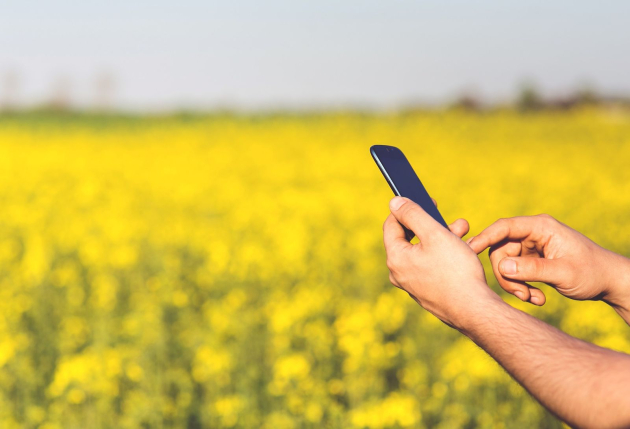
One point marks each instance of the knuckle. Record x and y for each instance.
(392, 279)
(410, 209)
(539, 267)
(546, 218)
(392, 263)
(529, 246)
(430, 234)
(406, 210)
(503, 224)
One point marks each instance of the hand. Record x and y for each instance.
(441, 273)
(539, 248)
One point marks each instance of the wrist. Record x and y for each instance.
(476, 312)
(617, 294)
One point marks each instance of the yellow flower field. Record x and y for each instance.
(228, 272)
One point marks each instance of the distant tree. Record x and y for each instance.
(60, 94)
(9, 93)
(104, 87)
(529, 98)
(587, 95)
(468, 101)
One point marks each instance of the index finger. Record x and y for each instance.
(516, 228)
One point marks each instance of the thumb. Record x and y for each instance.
(552, 271)
(412, 216)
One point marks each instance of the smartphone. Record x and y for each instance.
(404, 181)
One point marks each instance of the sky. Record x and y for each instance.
(255, 54)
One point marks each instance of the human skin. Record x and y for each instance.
(583, 384)
(541, 249)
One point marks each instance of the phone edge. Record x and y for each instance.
(388, 179)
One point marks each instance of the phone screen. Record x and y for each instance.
(403, 180)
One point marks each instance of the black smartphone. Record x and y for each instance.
(404, 181)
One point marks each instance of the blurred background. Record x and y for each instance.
(190, 221)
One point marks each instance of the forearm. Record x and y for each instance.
(583, 384)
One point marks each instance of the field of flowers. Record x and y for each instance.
(228, 272)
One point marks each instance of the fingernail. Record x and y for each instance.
(536, 300)
(508, 266)
(470, 239)
(520, 295)
(396, 202)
